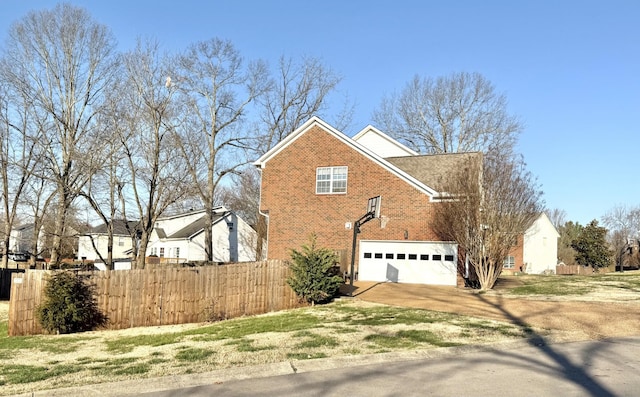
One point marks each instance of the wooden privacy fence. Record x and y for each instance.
(579, 270)
(161, 296)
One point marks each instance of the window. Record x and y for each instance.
(120, 241)
(509, 262)
(177, 249)
(388, 256)
(424, 257)
(413, 257)
(448, 258)
(367, 255)
(401, 256)
(154, 251)
(378, 255)
(331, 180)
(436, 257)
(161, 252)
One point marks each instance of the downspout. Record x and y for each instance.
(264, 252)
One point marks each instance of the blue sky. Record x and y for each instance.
(569, 69)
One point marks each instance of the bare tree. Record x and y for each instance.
(243, 194)
(156, 172)
(18, 153)
(557, 217)
(299, 91)
(62, 60)
(102, 190)
(217, 89)
(487, 206)
(623, 224)
(456, 113)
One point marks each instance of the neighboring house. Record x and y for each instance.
(21, 242)
(318, 180)
(180, 238)
(98, 237)
(536, 252)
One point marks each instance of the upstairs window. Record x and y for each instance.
(330, 180)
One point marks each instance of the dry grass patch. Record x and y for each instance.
(339, 329)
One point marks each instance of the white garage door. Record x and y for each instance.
(416, 262)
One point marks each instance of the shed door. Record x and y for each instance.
(416, 262)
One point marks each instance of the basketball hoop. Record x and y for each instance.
(373, 211)
(373, 206)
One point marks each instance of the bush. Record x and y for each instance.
(313, 278)
(69, 305)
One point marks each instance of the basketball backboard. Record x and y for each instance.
(373, 206)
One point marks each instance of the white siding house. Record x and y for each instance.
(181, 237)
(540, 248)
(122, 241)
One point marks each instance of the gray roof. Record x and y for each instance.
(194, 227)
(434, 169)
(119, 227)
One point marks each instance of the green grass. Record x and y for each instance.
(127, 344)
(49, 344)
(247, 345)
(237, 328)
(552, 285)
(384, 315)
(194, 354)
(317, 341)
(575, 285)
(17, 374)
(407, 339)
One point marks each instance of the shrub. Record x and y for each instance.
(69, 305)
(312, 273)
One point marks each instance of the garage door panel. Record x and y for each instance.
(419, 262)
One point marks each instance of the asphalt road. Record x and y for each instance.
(593, 368)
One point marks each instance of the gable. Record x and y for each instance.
(542, 226)
(319, 151)
(382, 144)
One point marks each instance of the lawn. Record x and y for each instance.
(615, 285)
(343, 328)
(347, 327)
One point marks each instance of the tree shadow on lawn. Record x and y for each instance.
(495, 308)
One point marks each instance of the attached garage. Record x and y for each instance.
(416, 262)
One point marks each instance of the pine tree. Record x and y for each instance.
(591, 246)
(312, 277)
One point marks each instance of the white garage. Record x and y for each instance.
(416, 262)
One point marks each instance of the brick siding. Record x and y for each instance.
(296, 211)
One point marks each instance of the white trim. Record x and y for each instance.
(315, 121)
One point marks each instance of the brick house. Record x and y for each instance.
(318, 180)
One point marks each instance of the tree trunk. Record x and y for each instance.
(142, 251)
(208, 235)
(59, 230)
(109, 264)
(5, 244)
